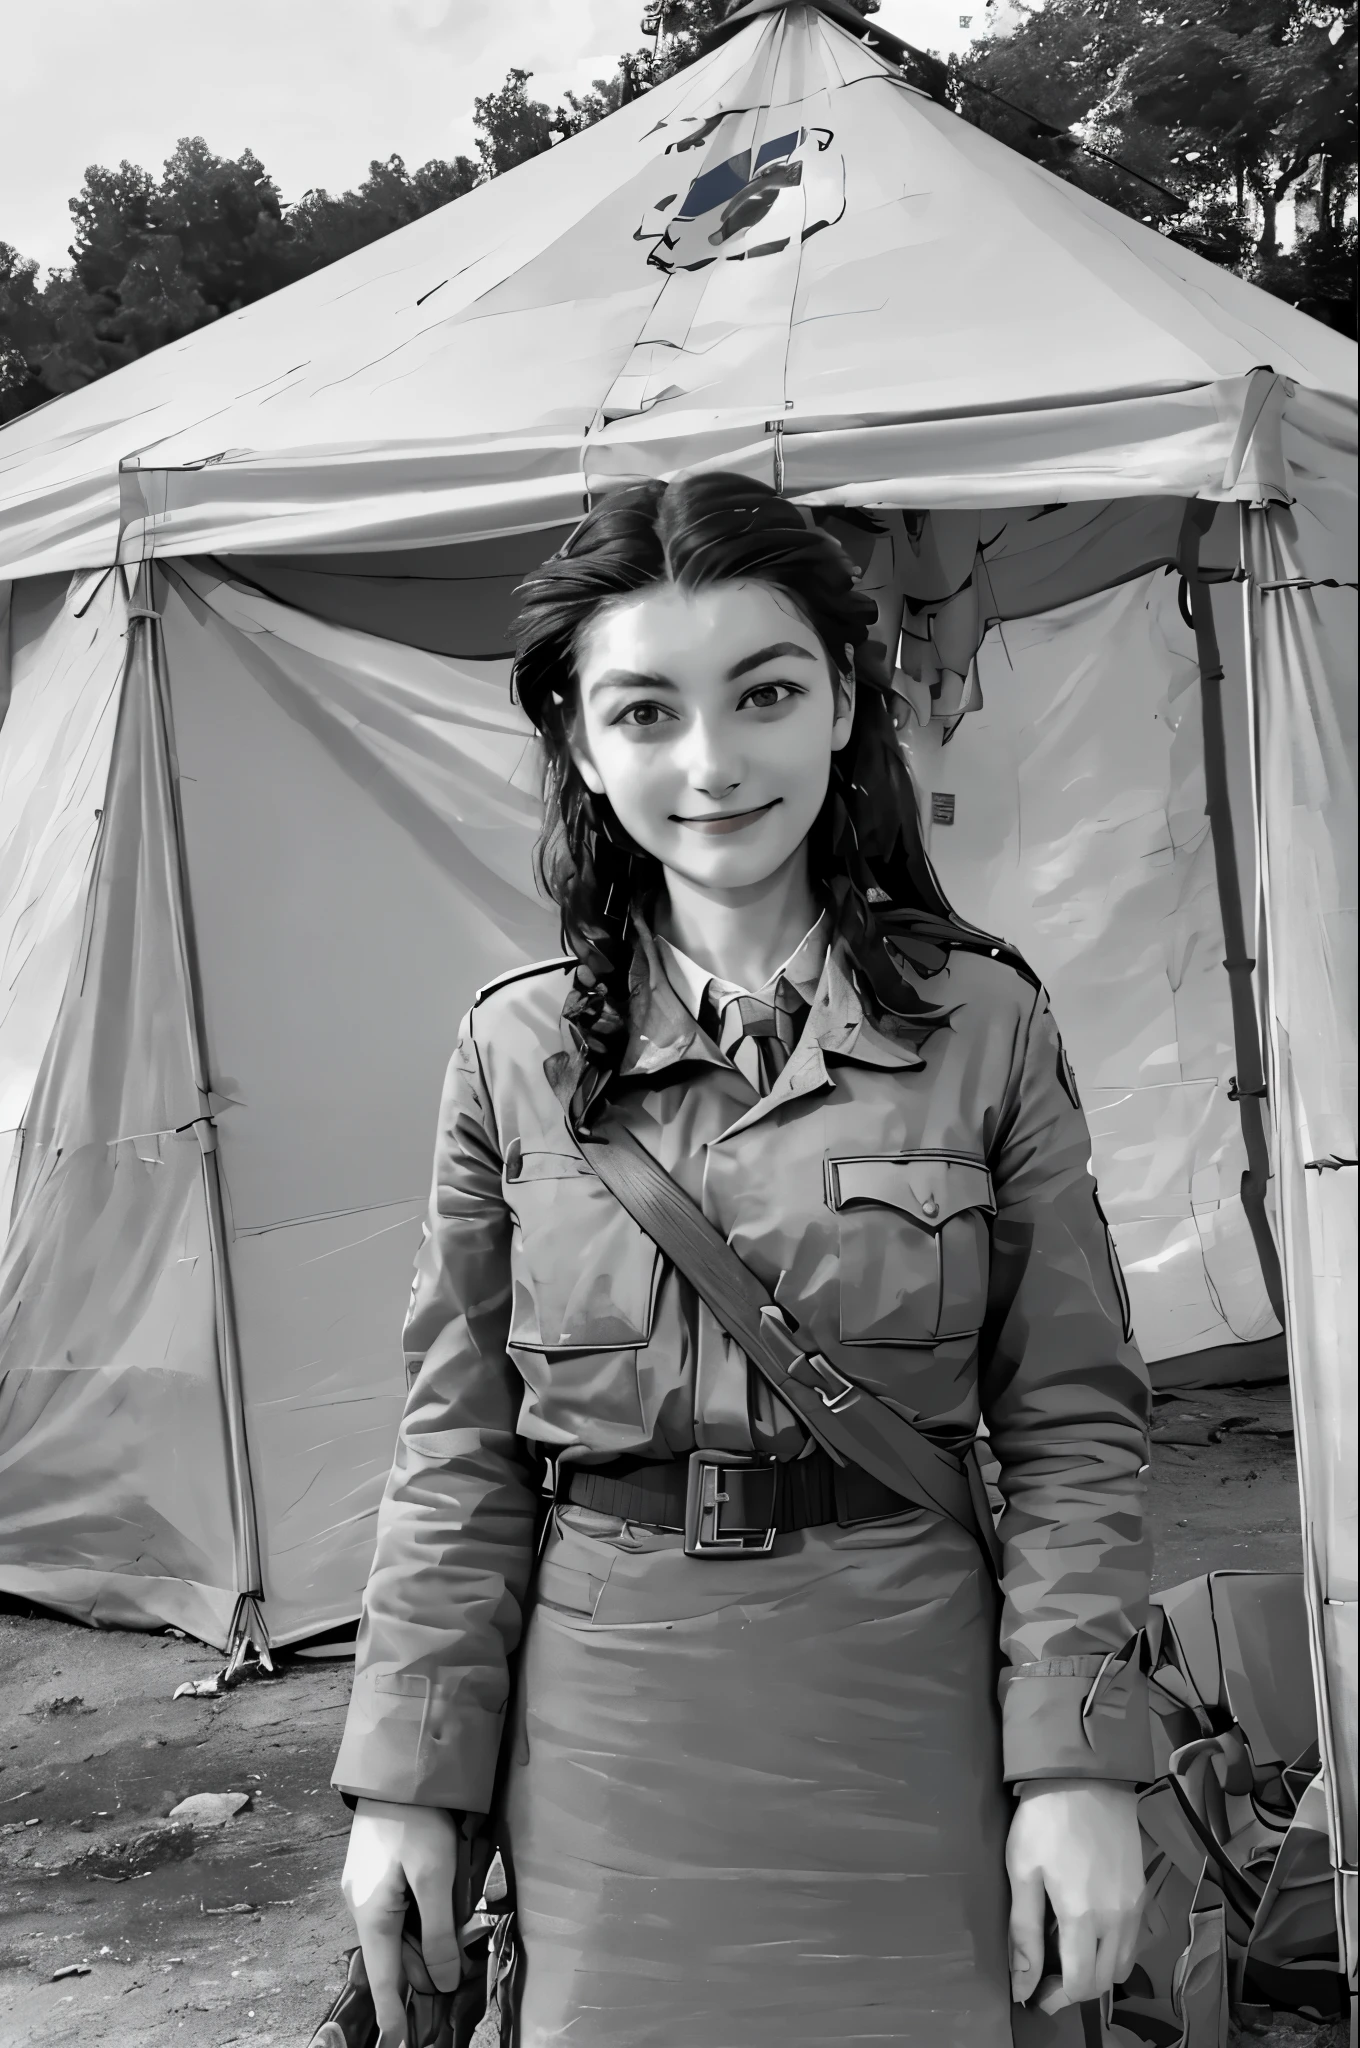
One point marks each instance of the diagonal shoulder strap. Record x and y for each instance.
(848, 1421)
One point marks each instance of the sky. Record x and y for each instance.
(316, 88)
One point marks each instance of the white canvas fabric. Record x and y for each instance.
(359, 859)
(117, 1502)
(357, 829)
(63, 642)
(1303, 637)
(1079, 832)
(919, 318)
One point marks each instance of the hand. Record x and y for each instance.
(1077, 1842)
(393, 1849)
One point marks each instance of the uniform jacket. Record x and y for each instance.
(928, 1201)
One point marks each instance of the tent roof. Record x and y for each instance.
(786, 259)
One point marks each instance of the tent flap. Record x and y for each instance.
(1077, 828)
(114, 1458)
(65, 662)
(358, 838)
(1191, 442)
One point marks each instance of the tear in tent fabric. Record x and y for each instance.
(267, 811)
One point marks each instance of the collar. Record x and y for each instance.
(663, 1033)
(802, 970)
(664, 1030)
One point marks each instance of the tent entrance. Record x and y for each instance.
(328, 836)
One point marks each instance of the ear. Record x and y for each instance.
(842, 725)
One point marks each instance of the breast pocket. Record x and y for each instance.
(914, 1245)
(584, 1276)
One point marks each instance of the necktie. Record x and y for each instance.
(769, 1026)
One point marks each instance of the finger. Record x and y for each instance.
(1131, 1929)
(1051, 1997)
(1077, 1947)
(379, 1926)
(1114, 1958)
(432, 1882)
(1026, 1934)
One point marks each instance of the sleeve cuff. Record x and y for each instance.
(416, 1745)
(1079, 1717)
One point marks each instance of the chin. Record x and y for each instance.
(729, 869)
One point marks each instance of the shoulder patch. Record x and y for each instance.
(511, 974)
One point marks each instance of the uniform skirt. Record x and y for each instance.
(757, 1802)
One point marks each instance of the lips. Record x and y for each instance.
(735, 821)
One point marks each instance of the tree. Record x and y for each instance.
(324, 228)
(511, 126)
(680, 30)
(152, 259)
(24, 327)
(1216, 117)
(632, 77)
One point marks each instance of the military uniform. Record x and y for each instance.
(761, 1799)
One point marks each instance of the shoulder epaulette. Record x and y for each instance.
(944, 936)
(489, 988)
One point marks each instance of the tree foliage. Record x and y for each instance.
(1200, 123)
(154, 258)
(512, 127)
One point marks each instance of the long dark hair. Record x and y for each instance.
(867, 860)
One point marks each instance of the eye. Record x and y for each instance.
(644, 715)
(765, 696)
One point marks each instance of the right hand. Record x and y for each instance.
(392, 1850)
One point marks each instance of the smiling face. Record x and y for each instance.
(709, 718)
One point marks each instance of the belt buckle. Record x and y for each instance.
(708, 1531)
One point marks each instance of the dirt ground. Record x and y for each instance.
(234, 1937)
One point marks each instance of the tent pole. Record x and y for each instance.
(1249, 1085)
(247, 1626)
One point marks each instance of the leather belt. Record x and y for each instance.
(726, 1504)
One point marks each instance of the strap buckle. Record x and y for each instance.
(809, 1368)
(730, 1504)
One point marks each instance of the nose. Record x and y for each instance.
(709, 767)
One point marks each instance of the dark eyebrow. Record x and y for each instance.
(633, 679)
(780, 650)
(628, 679)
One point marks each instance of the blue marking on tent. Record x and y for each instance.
(716, 187)
(782, 145)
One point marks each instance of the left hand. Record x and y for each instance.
(1075, 1841)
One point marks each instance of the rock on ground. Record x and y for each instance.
(202, 1936)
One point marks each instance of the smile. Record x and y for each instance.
(734, 821)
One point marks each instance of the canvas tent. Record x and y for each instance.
(266, 810)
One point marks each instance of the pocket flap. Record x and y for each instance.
(394, 1695)
(928, 1187)
(406, 1684)
(523, 1164)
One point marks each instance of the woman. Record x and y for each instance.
(763, 1798)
